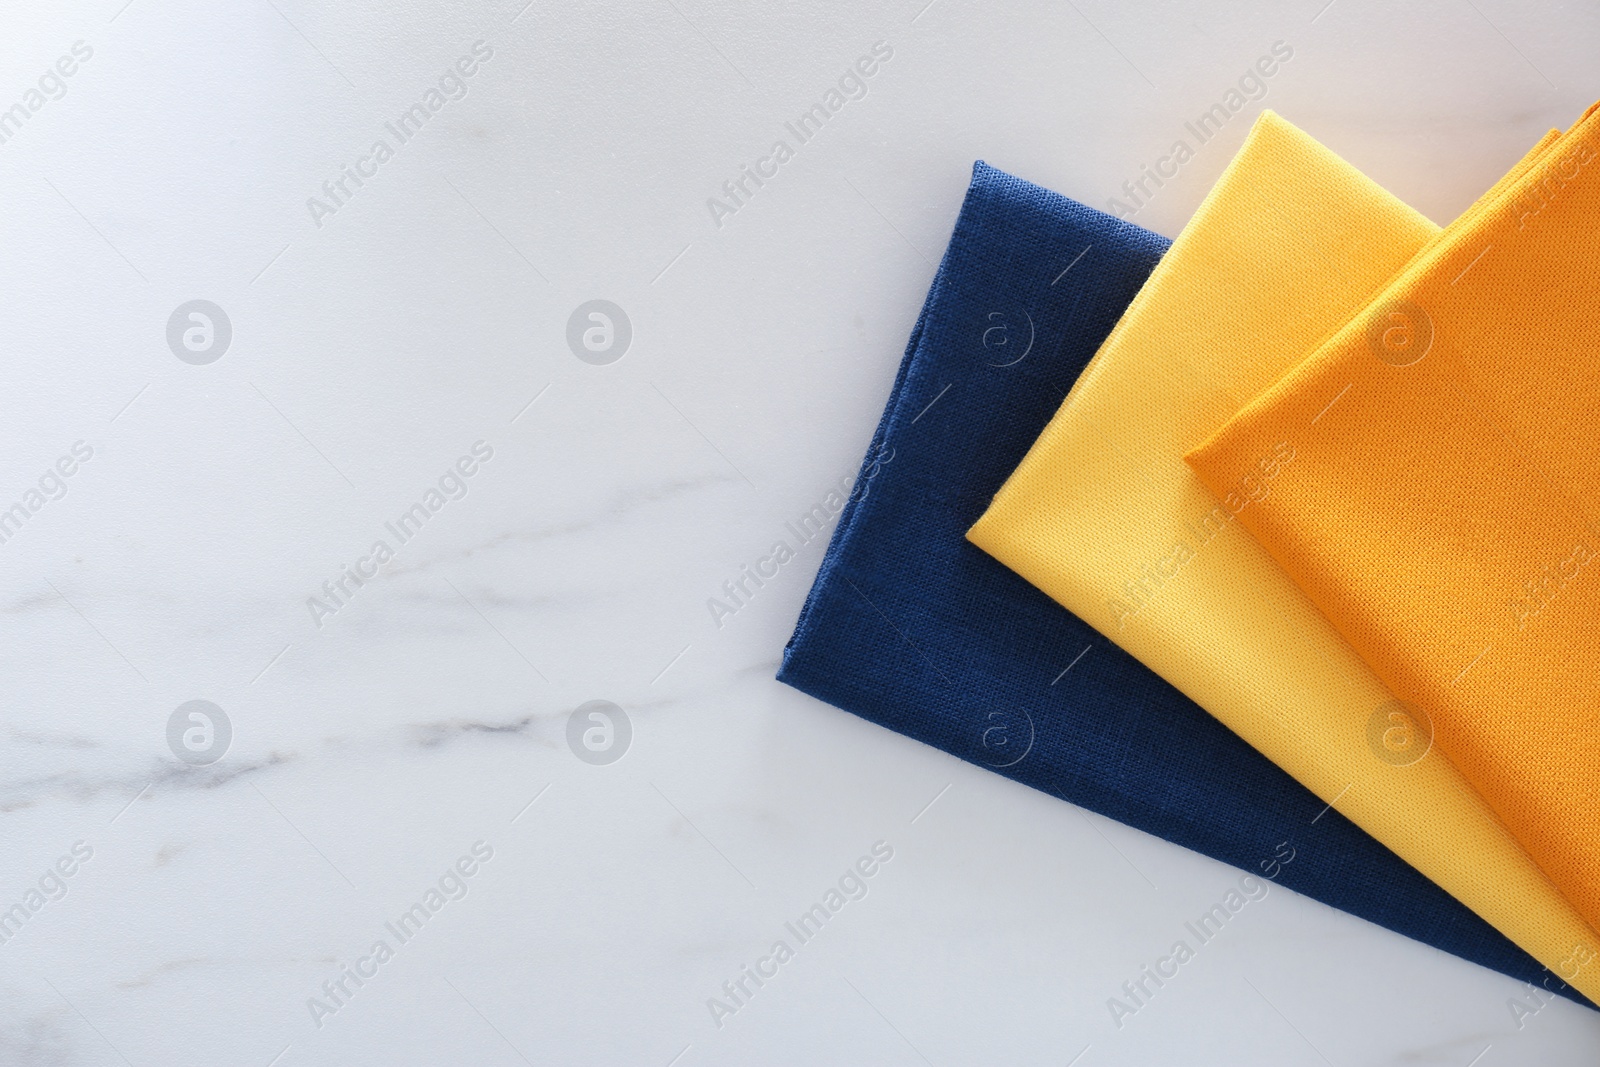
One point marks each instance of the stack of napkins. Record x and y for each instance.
(1298, 574)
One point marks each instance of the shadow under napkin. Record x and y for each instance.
(912, 627)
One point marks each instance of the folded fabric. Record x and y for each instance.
(1439, 507)
(1104, 516)
(911, 626)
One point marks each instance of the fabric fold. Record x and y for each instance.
(1104, 516)
(912, 627)
(1441, 506)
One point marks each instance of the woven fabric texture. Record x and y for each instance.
(1104, 515)
(911, 626)
(1441, 506)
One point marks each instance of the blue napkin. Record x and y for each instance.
(910, 626)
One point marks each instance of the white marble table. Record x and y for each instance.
(404, 730)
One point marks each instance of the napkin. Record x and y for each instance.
(1440, 506)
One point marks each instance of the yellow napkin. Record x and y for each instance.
(1440, 508)
(1104, 516)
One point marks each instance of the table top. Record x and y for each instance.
(387, 385)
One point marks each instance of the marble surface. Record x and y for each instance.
(409, 730)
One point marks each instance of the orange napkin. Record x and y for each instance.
(1440, 504)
